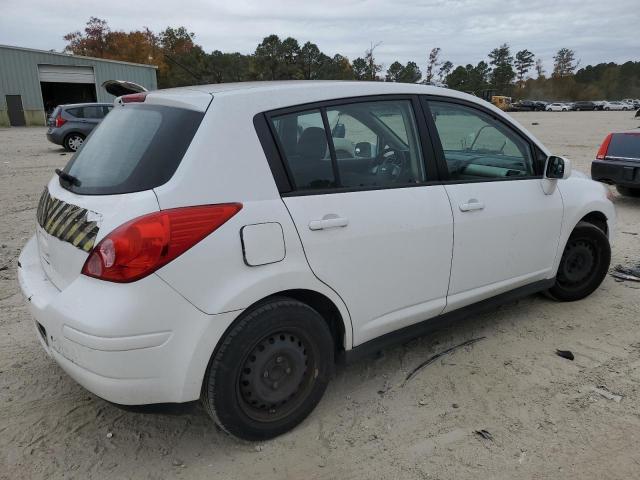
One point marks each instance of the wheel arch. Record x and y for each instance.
(598, 219)
(326, 307)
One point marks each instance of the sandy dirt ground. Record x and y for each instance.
(544, 418)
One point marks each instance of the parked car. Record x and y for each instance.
(599, 104)
(618, 162)
(584, 105)
(69, 125)
(528, 106)
(633, 103)
(232, 242)
(557, 107)
(615, 106)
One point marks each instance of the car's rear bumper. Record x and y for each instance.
(130, 344)
(617, 172)
(53, 137)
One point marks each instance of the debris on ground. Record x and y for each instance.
(630, 233)
(177, 463)
(620, 272)
(109, 435)
(484, 434)
(568, 354)
(607, 394)
(432, 359)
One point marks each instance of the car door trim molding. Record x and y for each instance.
(438, 322)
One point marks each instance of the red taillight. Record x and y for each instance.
(602, 151)
(141, 246)
(60, 121)
(134, 97)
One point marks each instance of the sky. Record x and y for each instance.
(466, 30)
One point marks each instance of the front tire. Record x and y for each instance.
(584, 264)
(270, 370)
(627, 191)
(73, 142)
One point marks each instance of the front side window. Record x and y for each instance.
(478, 147)
(372, 144)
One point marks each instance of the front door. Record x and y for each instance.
(16, 112)
(506, 229)
(372, 226)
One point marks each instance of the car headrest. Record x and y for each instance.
(312, 143)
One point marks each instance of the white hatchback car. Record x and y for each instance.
(231, 242)
(557, 107)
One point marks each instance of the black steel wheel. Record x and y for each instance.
(584, 263)
(270, 370)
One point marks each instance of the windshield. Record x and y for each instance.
(135, 148)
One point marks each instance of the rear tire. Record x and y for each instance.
(270, 370)
(73, 142)
(584, 264)
(627, 191)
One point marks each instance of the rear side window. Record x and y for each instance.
(357, 145)
(304, 142)
(624, 145)
(135, 148)
(75, 112)
(94, 111)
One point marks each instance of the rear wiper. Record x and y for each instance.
(68, 177)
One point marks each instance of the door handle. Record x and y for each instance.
(471, 205)
(329, 221)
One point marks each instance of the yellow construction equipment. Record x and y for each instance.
(502, 102)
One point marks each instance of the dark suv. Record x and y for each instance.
(70, 124)
(584, 105)
(529, 106)
(618, 162)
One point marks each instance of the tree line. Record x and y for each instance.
(181, 61)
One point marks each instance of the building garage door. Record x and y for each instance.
(66, 74)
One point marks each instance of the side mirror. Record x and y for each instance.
(363, 149)
(339, 131)
(557, 167)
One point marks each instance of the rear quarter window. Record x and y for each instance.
(75, 112)
(624, 145)
(136, 147)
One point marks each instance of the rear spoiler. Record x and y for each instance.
(117, 88)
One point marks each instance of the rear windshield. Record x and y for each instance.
(624, 145)
(136, 147)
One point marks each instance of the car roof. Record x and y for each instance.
(318, 90)
(89, 104)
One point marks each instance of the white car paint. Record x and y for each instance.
(557, 107)
(616, 106)
(388, 258)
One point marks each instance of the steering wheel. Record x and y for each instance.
(390, 165)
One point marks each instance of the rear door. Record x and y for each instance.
(506, 229)
(374, 224)
(93, 115)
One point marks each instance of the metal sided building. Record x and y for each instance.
(34, 82)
